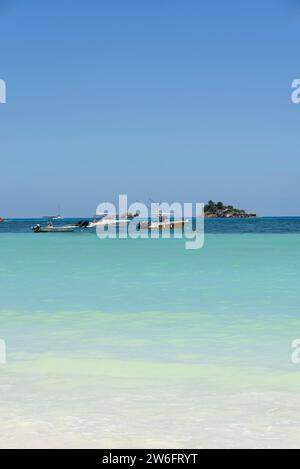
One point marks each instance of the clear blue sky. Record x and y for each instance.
(173, 100)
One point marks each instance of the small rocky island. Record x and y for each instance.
(220, 210)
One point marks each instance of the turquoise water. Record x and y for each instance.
(198, 343)
(261, 225)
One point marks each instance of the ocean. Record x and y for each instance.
(144, 344)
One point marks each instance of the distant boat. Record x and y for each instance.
(1, 220)
(55, 217)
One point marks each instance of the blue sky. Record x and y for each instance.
(173, 100)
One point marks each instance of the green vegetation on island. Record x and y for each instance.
(220, 210)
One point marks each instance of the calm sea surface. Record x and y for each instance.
(217, 225)
(126, 343)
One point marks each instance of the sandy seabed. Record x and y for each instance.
(115, 413)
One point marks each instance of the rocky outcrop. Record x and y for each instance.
(219, 210)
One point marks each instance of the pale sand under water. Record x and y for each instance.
(130, 344)
(63, 410)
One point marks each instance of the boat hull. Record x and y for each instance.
(169, 225)
(54, 229)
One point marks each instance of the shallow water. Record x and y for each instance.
(141, 343)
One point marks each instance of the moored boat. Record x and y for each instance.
(54, 217)
(163, 225)
(50, 228)
(107, 220)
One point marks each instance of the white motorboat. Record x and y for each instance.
(108, 222)
(112, 220)
(50, 228)
(163, 225)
